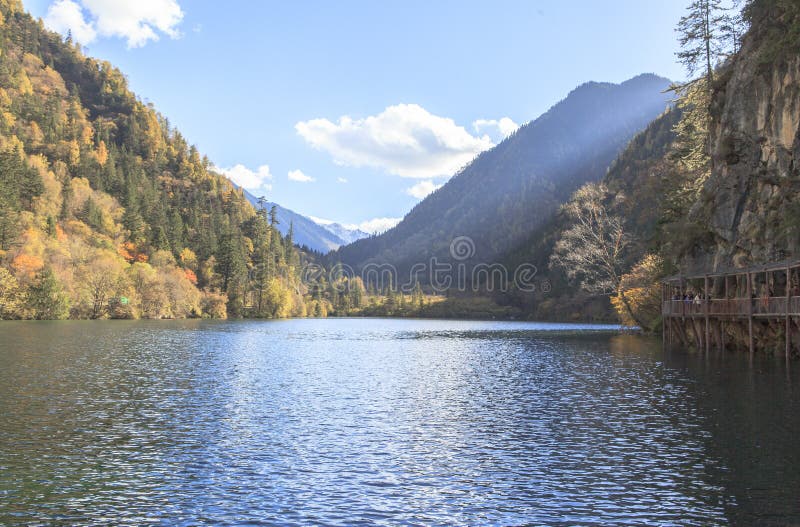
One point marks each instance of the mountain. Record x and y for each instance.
(346, 234)
(506, 192)
(305, 231)
(639, 178)
(106, 211)
(700, 198)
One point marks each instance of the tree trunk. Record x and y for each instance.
(627, 305)
(709, 71)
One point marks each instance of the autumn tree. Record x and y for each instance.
(593, 250)
(642, 291)
(11, 296)
(102, 279)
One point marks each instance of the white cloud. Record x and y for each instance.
(67, 16)
(375, 225)
(405, 140)
(249, 179)
(138, 21)
(422, 189)
(320, 221)
(341, 180)
(495, 129)
(297, 175)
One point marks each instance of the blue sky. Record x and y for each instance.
(360, 108)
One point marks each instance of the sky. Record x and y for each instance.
(353, 111)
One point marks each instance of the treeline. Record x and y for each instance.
(349, 297)
(107, 211)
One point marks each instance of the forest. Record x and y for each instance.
(107, 212)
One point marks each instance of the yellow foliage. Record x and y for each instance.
(74, 153)
(166, 292)
(214, 305)
(278, 299)
(188, 259)
(11, 296)
(641, 290)
(102, 153)
(23, 83)
(78, 229)
(49, 203)
(44, 80)
(87, 133)
(35, 134)
(8, 119)
(102, 279)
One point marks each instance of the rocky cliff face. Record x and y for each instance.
(752, 198)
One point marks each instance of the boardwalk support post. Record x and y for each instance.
(750, 309)
(788, 295)
(707, 301)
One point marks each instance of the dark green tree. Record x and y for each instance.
(46, 297)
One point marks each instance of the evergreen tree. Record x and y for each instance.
(92, 214)
(702, 33)
(160, 241)
(66, 198)
(46, 298)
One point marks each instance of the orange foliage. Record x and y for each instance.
(126, 250)
(190, 276)
(27, 264)
(141, 257)
(60, 234)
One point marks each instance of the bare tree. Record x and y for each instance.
(593, 250)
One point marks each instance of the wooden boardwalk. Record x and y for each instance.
(705, 304)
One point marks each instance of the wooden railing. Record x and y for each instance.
(775, 305)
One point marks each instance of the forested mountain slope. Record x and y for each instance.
(107, 211)
(508, 191)
(639, 180)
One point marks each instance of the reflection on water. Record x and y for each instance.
(387, 422)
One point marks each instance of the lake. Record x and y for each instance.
(388, 422)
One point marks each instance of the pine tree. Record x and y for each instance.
(92, 214)
(176, 231)
(273, 216)
(161, 241)
(232, 267)
(702, 37)
(46, 298)
(66, 198)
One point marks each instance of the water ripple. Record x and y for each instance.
(369, 422)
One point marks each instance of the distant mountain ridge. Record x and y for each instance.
(346, 234)
(307, 232)
(506, 192)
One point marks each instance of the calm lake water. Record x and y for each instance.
(387, 422)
